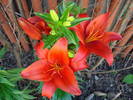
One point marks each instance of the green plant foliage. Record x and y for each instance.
(8, 88)
(2, 52)
(50, 40)
(78, 20)
(60, 23)
(128, 79)
(72, 38)
(61, 95)
(45, 16)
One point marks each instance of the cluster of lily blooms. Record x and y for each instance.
(54, 67)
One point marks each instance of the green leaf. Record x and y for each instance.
(2, 52)
(128, 79)
(3, 73)
(5, 81)
(28, 97)
(72, 38)
(66, 12)
(8, 86)
(45, 16)
(60, 9)
(39, 88)
(77, 21)
(50, 40)
(61, 95)
(15, 70)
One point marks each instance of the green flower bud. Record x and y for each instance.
(71, 18)
(54, 16)
(71, 54)
(52, 32)
(67, 23)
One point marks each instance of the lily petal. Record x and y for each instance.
(79, 61)
(99, 23)
(31, 30)
(67, 81)
(80, 28)
(48, 89)
(35, 19)
(41, 24)
(102, 50)
(36, 71)
(40, 52)
(111, 36)
(58, 53)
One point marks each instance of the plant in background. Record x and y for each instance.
(8, 86)
(64, 47)
(2, 52)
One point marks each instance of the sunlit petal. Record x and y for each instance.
(59, 53)
(36, 71)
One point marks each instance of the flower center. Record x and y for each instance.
(94, 35)
(55, 69)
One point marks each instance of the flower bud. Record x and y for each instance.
(67, 23)
(71, 18)
(52, 32)
(54, 16)
(71, 54)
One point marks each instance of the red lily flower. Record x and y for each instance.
(94, 39)
(34, 27)
(53, 69)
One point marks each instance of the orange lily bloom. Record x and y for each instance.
(34, 27)
(94, 39)
(53, 69)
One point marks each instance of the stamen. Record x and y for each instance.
(94, 35)
(55, 69)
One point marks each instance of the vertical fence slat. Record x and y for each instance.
(98, 7)
(21, 10)
(115, 14)
(113, 5)
(52, 4)
(25, 8)
(7, 5)
(7, 29)
(36, 5)
(84, 3)
(21, 36)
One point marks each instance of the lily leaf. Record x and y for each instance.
(50, 40)
(128, 79)
(45, 16)
(66, 12)
(72, 38)
(77, 21)
(5, 81)
(61, 95)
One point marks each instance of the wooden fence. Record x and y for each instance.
(11, 35)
